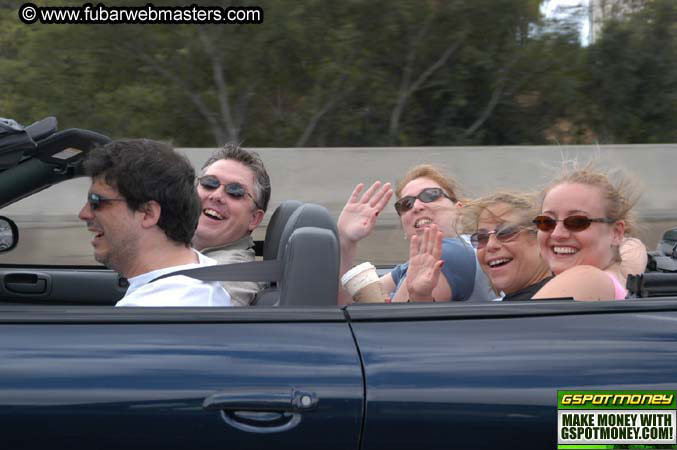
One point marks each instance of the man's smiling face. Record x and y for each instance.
(115, 227)
(225, 218)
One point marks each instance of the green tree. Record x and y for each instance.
(315, 73)
(632, 77)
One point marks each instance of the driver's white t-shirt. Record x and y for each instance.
(178, 290)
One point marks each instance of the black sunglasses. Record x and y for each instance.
(503, 233)
(571, 223)
(427, 195)
(95, 200)
(235, 190)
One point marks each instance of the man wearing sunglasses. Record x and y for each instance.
(143, 208)
(234, 190)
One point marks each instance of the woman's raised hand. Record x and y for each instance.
(358, 216)
(425, 264)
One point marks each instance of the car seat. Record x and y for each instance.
(660, 278)
(276, 226)
(269, 295)
(308, 251)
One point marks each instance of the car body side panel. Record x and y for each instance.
(486, 382)
(122, 385)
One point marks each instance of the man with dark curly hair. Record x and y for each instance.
(143, 208)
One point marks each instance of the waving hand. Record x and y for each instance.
(425, 264)
(358, 216)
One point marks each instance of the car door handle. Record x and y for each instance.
(25, 283)
(263, 399)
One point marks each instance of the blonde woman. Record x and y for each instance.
(582, 226)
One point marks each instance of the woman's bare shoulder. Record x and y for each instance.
(633, 256)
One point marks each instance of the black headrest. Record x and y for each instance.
(276, 227)
(310, 268)
(307, 215)
(668, 244)
(652, 284)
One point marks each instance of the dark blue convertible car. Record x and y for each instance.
(295, 371)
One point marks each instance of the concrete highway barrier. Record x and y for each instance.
(51, 230)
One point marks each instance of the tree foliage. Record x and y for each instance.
(347, 73)
(632, 77)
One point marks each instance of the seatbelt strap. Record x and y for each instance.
(268, 270)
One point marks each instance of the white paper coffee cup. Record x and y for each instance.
(363, 284)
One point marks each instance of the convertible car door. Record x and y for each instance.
(486, 376)
(140, 378)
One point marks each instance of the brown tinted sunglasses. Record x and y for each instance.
(571, 223)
